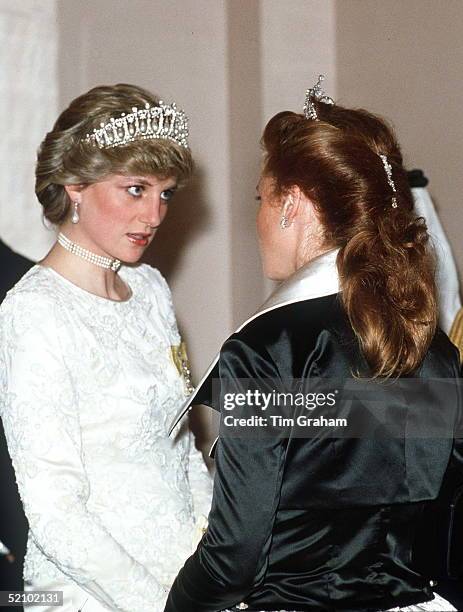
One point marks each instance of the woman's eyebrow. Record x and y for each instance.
(138, 179)
(143, 181)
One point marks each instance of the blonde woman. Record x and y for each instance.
(90, 375)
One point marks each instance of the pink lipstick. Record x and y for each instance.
(138, 239)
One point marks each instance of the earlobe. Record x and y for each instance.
(286, 218)
(74, 191)
(288, 209)
(290, 206)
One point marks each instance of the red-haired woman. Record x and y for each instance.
(327, 522)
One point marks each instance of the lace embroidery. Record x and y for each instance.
(88, 389)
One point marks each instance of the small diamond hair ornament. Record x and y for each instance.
(159, 121)
(390, 180)
(315, 93)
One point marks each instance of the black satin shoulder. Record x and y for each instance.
(318, 523)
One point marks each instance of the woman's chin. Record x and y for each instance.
(275, 275)
(132, 257)
(277, 268)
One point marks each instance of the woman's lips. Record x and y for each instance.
(139, 239)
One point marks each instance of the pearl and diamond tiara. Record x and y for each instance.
(159, 121)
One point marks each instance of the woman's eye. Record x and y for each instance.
(136, 190)
(167, 194)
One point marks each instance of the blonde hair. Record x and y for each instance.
(65, 159)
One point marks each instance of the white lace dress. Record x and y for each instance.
(88, 389)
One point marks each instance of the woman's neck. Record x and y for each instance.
(97, 280)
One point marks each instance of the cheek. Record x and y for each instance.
(260, 224)
(275, 245)
(267, 226)
(105, 211)
(163, 211)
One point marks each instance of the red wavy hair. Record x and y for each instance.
(385, 264)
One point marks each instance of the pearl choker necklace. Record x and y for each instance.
(104, 262)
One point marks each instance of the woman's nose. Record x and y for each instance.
(151, 213)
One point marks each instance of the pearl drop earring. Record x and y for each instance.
(75, 215)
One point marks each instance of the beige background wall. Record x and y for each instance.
(28, 105)
(232, 64)
(244, 91)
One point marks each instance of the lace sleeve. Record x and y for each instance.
(42, 429)
(199, 477)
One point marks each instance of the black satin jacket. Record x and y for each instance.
(321, 523)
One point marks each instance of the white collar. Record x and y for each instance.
(317, 278)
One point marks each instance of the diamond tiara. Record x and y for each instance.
(315, 93)
(160, 121)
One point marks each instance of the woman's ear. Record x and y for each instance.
(291, 203)
(296, 204)
(74, 191)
